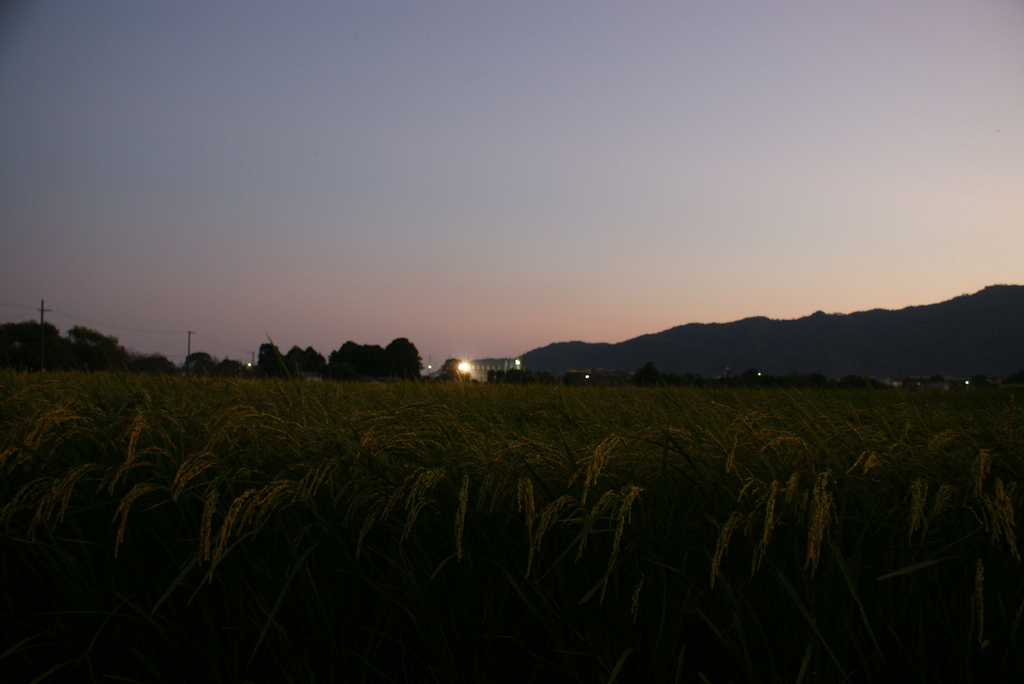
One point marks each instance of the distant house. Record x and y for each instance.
(597, 376)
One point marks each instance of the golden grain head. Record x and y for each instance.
(548, 516)
(525, 502)
(724, 535)
(1000, 514)
(980, 468)
(769, 524)
(121, 515)
(873, 461)
(918, 497)
(791, 488)
(942, 498)
(624, 515)
(822, 504)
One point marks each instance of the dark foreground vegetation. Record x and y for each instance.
(186, 529)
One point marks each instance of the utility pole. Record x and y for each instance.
(42, 333)
(188, 353)
(253, 355)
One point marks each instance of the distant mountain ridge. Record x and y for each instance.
(980, 333)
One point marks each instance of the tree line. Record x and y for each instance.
(352, 361)
(31, 346)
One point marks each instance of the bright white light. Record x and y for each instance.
(464, 367)
(587, 376)
(517, 362)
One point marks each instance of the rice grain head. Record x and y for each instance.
(193, 466)
(822, 504)
(548, 517)
(597, 462)
(627, 498)
(634, 603)
(873, 461)
(233, 519)
(769, 525)
(1001, 518)
(941, 503)
(791, 488)
(525, 502)
(460, 515)
(980, 468)
(734, 521)
(588, 523)
(53, 505)
(121, 514)
(918, 497)
(418, 498)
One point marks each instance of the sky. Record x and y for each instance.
(486, 178)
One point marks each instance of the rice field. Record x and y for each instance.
(182, 529)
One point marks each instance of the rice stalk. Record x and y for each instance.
(58, 496)
(232, 519)
(769, 524)
(623, 516)
(591, 519)
(940, 504)
(548, 517)
(1000, 518)
(125, 505)
(918, 497)
(722, 544)
(192, 467)
(526, 503)
(460, 515)
(597, 462)
(822, 505)
(206, 526)
(980, 468)
(978, 601)
(417, 499)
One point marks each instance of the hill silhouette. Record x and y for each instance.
(980, 333)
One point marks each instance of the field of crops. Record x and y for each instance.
(181, 529)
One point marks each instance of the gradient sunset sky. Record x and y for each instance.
(485, 178)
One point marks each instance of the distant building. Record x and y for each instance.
(597, 376)
(478, 369)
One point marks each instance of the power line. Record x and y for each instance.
(93, 321)
(117, 327)
(222, 344)
(75, 318)
(18, 306)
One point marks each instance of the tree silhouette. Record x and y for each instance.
(153, 364)
(20, 346)
(403, 359)
(450, 371)
(270, 362)
(648, 375)
(199, 363)
(95, 351)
